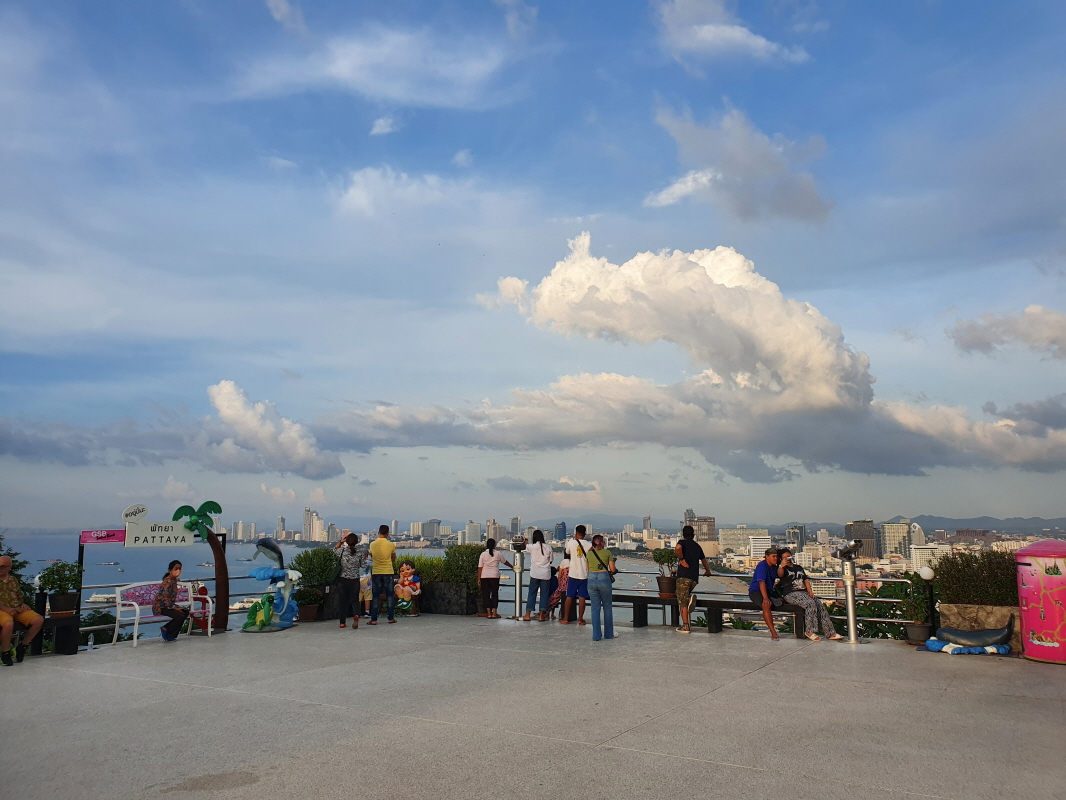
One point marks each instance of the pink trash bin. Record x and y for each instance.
(1042, 600)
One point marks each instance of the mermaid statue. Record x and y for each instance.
(272, 612)
(407, 588)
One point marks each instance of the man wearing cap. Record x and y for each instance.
(12, 610)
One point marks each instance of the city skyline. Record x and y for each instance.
(768, 262)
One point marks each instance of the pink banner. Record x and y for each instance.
(104, 537)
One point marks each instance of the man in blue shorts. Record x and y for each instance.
(760, 592)
(577, 584)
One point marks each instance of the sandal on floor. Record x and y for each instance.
(814, 637)
(836, 637)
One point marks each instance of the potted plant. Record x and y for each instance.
(316, 566)
(666, 558)
(62, 581)
(915, 606)
(979, 591)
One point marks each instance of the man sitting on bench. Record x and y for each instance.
(760, 592)
(14, 609)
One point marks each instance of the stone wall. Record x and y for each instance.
(980, 618)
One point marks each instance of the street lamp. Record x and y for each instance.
(928, 574)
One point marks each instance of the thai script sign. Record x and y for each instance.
(103, 537)
(158, 534)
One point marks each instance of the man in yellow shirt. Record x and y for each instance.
(382, 575)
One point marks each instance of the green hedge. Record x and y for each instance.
(987, 578)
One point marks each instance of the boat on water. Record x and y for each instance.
(99, 597)
(107, 563)
(244, 559)
(205, 564)
(244, 605)
(50, 560)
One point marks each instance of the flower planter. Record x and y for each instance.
(62, 605)
(980, 618)
(308, 613)
(918, 634)
(667, 586)
(446, 598)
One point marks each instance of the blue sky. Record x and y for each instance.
(283, 253)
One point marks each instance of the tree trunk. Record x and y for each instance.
(221, 582)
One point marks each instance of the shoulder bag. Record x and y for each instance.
(605, 567)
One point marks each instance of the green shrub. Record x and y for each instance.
(867, 605)
(915, 605)
(61, 577)
(987, 578)
(666, 558)
(460, 565)
(98, 616)
(316, 566)
(429, 568)
(741, 624)
(307, 596)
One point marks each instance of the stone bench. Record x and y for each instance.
(713, 606)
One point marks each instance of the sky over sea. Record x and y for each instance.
(771, 261)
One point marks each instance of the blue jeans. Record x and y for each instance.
(535, 585)
(600, 594)
(382, 584)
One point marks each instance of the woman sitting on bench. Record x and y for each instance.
(795, 587)
(166, 604)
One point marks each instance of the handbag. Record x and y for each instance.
(605, 567)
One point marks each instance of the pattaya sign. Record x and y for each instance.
(103, 537)
(142, 532)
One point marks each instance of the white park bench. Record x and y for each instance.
(134, 602)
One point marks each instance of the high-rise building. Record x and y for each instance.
(251, 531)
(894, 538)
(307, 529)
(737, 539)
(917, 534)
(690, 518)
(431, 529)
(628, 530)
(863, 530)
(797, 534)
(279, 531)
(823, 536)
(493, 530)
(235, 532)
(528, 532)
(473, 532)
(646, 523)
(462, 537)
(395, 528)
(332, 534)
(704, 527)
(758, 545)
(516, 526)
(444, 531)
(416, 530)
(560, 531)
(923, 555)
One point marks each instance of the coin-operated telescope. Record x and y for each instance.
(847, 553)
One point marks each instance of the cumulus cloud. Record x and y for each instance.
(419, 68)
(317, 495)
(743, 171)
(700, 30)
(383, 126)
(463, 159)
(176, 490)
(374, 189)
(775, 385)
(263, 438)
(1040, 329)
(279, 494)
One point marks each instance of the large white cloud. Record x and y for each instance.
(777, 385)
(743, 171)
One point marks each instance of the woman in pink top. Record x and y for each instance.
(488, 577)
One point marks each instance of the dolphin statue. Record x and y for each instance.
(270, 549)
(285, 609)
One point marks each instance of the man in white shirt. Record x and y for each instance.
(577, 584)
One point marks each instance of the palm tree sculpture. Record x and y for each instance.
(200, 523)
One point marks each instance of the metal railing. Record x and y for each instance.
(516, 596)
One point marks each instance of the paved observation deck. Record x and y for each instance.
(447, 707)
